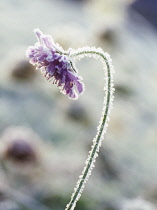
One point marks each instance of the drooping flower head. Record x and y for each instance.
(55, 64)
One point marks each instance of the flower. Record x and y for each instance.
(20, 151)
(17, 145)
(55, 64)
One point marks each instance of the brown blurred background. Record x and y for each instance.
(45, 137)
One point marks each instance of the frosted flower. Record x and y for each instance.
(55, 64)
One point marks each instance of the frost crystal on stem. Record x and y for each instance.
(108, 99)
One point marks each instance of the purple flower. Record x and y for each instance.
(56, 66)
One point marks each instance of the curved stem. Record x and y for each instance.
(80, 53)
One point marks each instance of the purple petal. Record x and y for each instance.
(38, 34)
(47, 41)
(50, 69)
(71, 75)
(79, 86)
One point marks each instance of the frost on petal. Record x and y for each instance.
(38, 34)
(49, 57)
(72, 94)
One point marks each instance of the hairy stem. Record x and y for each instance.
(105, 58)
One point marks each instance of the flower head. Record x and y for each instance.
(55, 64)
(17, 145)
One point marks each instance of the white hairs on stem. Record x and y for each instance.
(96, 53)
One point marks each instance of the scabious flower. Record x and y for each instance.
(55, 64)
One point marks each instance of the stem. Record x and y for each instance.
(105, 58)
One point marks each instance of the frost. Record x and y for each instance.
(96, 53)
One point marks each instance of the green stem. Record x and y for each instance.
(101, 129)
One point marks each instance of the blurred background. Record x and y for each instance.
(45, 137)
